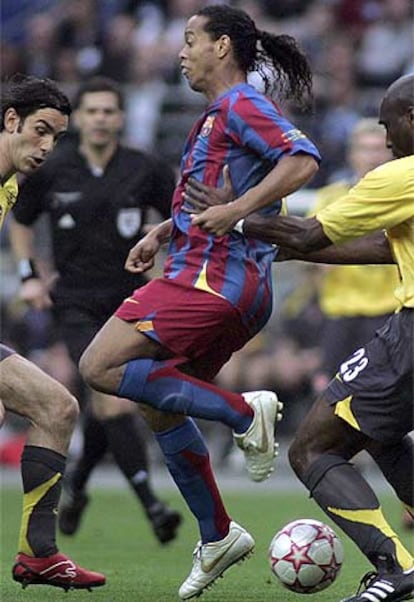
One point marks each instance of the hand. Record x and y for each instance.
(198, 196)
(217, 220)
(141, 256)
(35, 292)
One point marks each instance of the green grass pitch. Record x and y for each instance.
(116, 539)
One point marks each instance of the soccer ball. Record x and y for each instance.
(306, 556)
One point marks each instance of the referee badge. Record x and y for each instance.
(129, 221)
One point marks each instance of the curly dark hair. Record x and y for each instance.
(261, 51)
(27, 94)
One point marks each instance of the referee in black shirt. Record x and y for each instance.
(99, 196)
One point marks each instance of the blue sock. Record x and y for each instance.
(188, 461)
(161, 385)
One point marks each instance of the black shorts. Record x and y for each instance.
(341, 335)
(374, 389)
(76, 327)
(78, 319)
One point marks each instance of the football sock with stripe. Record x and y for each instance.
(188, 461)
(349, 501)
(42, 471)
(163, 386)
(128, 447)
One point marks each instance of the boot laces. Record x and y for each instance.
(367, 580)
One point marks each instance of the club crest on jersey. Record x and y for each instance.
(207, 126)
(128, 222)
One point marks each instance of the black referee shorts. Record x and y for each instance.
(77, 327)
(374, 389)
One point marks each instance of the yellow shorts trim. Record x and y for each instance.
(344, 411)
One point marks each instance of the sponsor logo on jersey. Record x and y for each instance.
(128, 222)
(293, 135)
(65, 198)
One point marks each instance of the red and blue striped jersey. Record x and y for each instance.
(245, 130)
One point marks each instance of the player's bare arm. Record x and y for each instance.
(373, 249)
(297, 233)
(141, 256)
(288, 175)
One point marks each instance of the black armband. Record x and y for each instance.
(27, 269)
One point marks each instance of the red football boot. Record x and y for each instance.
(57, 570)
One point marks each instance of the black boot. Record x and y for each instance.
(386, 584)
(164, 521)
(71, 509)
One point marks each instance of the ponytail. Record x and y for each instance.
(289, 64)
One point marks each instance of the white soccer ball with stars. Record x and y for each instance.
(306, 556)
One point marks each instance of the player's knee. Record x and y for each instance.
(64, 411)
(93, 373)
(88, 368)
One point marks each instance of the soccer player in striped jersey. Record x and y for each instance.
(165, 343)
(34, 113)
(368, 405)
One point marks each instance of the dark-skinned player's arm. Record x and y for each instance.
(290, 173)
(141, 256)
(307, 233)
(373, 248)
(304, 239)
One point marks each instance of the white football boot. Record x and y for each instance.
(212, 559)
(258, 442)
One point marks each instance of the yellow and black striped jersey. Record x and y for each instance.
(8, 196)
(382, 200)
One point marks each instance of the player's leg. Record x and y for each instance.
(320, 456)
(370, 399)
(182, 444)
(126, 436)
(121, 361)
(76, 327)
(107, 365)
(75, 498)
(52, 411)
(223, 542)
(108, 423)
(396, 462)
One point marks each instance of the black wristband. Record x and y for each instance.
(27, 269)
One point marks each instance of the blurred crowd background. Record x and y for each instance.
(356, 49)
